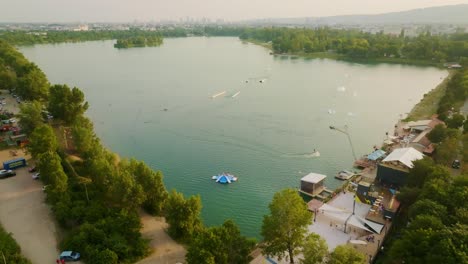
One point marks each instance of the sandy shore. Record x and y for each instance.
(165, 249)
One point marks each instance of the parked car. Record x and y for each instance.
(32, 169)
(456, 164)
(36, 176)
(69, 256)
(6, 173)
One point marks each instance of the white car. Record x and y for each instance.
(36, 176)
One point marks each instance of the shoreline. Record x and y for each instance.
(428, 105)
(341, 57)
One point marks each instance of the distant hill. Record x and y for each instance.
(453, 14)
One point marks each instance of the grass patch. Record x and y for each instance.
(429, 104)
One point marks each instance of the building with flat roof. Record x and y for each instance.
(312, 184)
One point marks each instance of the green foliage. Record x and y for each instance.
(183, 216)
(50, 166)
(42, 140)
(97, 197)
(455, 121)
(438, 134)
(10, 250)
(359, 45)
(30, 116)
(152, 184)
(124, 191)
(428, 207)
(84, 138)
(33, 85)
(315, 249)
(447, 151)
(8, 79)
(222, 245)
(421, 169)
(345, 254)
(285, 228)
(140, 41)
(66, 104)
(455, 96)
(437, 232)
(115, 238)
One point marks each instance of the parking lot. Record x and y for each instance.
(24, 214)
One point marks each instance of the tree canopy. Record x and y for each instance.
(285, 227)
(345, 254)
(183, 216)
(220, 245)
(66, 104)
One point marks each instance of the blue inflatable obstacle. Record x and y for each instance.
(224, 178)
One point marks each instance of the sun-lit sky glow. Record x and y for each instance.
(230, 10)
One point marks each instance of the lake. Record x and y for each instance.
(155, 104)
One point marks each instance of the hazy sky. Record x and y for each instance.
(231, 10)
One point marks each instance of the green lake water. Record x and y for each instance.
(262, 135)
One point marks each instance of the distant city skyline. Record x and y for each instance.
(83, 11)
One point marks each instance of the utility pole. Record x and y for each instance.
(345, 131)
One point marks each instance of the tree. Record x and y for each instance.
(183, 215)
(124, 191)
(222, 245)
(66, 104)
(83, 136)
(30, 116)
(456, 121)
(345, 254)
(284, 229)
(42, 140)
(427, 207)
(52, 172)
(33, 85)
(437, 134)
(418, 174)
(152, 184)
(315, 249)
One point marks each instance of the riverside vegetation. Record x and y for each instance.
(96, 195)
(93, 194)
(425, 49)
(141, 41)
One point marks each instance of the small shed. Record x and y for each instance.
(312, 183)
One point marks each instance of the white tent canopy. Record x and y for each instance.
(405, 156)
(344, 216)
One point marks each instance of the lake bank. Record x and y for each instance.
(263, 135)
(341, 57)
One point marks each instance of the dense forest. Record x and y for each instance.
(335, 43)
(135, 42)
(361, 45)
(44, 37)
(95, 195)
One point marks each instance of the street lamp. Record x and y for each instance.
(345, 131)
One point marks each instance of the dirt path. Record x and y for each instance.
(166, 250)
(24, 214)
